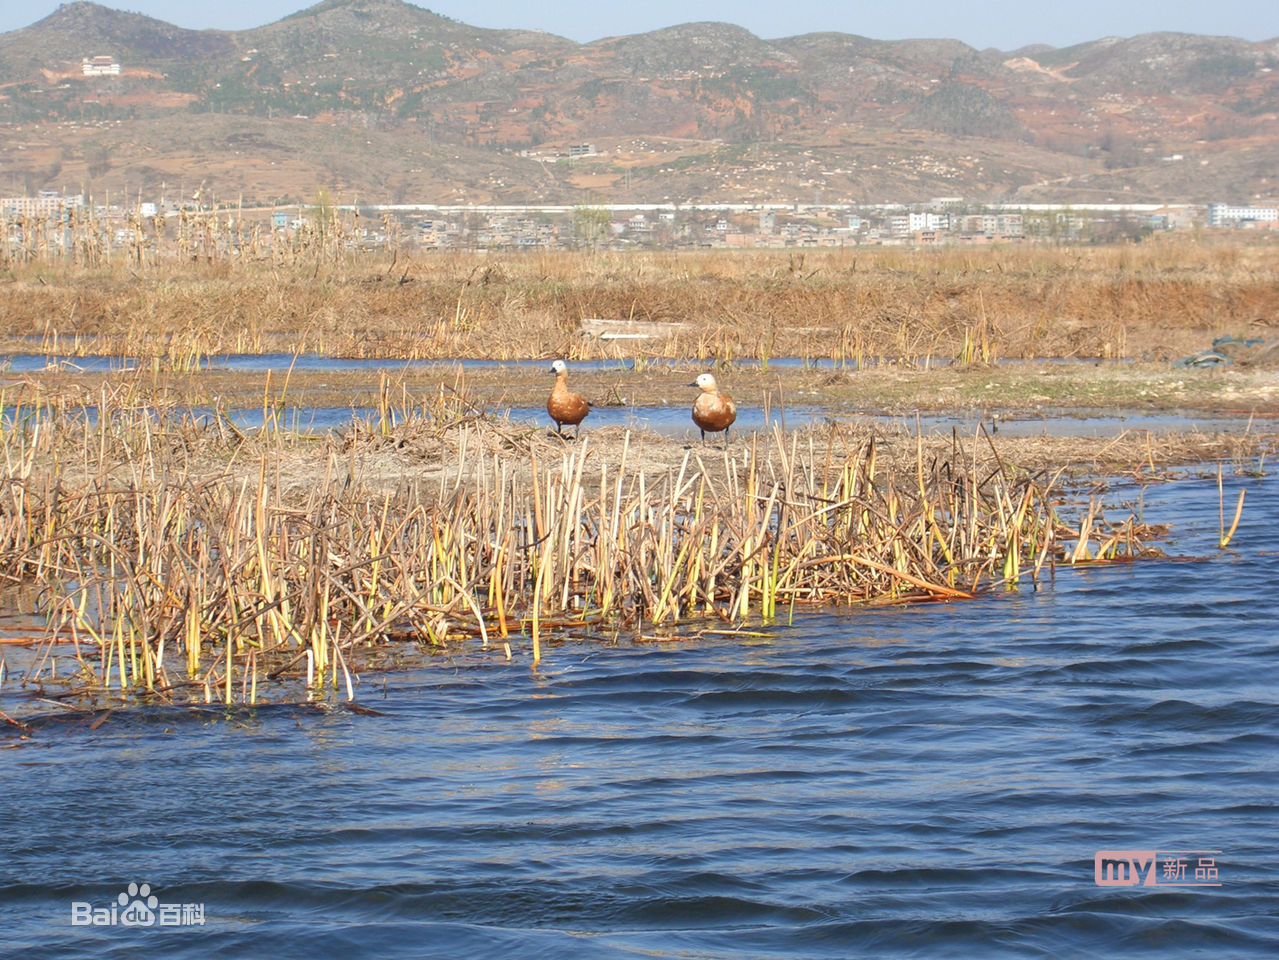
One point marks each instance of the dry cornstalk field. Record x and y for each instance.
(209, 289)
(178, 558)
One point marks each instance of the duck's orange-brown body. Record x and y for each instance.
(563, 405)
(712, 410)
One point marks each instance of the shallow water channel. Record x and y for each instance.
(671, 420)
(674, 421)
(931, 781)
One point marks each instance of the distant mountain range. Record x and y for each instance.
(382, 101)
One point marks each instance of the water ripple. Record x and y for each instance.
(928, 782)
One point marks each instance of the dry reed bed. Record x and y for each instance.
(1158, 300)
(173, 577)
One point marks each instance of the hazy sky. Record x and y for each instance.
(994, 23)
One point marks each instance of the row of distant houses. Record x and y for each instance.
(744, 226)
(1006, 225)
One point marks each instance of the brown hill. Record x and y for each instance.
(389, 101)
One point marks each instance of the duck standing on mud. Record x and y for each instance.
(712, 410)
(564, 405)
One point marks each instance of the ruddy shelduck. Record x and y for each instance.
(564, 405)
(712, 410)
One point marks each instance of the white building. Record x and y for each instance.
(48, 205)
(99, 67)
(1222, 214)
(904, 224)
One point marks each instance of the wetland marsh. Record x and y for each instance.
(960, 604)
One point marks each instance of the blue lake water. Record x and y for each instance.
(920, 782)
(674, 420)
(282, 362)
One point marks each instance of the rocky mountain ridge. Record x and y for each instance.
(394, 103)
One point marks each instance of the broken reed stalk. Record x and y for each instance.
(1225, 536)
(170, 579)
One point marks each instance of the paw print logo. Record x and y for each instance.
(139, 905)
